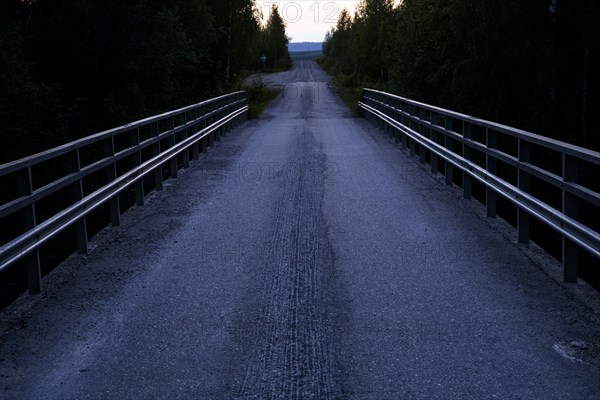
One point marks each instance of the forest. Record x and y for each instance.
(531, 64)
(71, 68)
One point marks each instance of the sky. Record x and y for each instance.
(308, 20)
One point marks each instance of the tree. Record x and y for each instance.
(336, 46)
(237, 35)
(517, 62)
(275, 41)
(30, 117)
(74, 67)
(373, 38)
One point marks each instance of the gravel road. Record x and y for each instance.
(305, 257)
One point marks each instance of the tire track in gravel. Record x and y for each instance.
(293, 357)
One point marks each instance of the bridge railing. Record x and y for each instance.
(91, 172)
(509, 162)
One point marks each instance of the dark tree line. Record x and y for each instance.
(69, 68)
(274, 43)
(531, 64)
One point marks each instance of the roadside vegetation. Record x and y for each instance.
(525, 63)
(69, 69)
(346, 87)
(259, 97)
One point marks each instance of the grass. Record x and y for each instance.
(349, 94)
(345, 87)
(259, 96)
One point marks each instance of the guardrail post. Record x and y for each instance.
(28, 220)
(218, 131)
(111, 176)
(237, 121)
(203, 124)
(184, 134)
(228, 108)
(158, 171)
(194, 128)
(490, 166)
(244, 97)
(172, 140)
(523, 183)
(240, 118)
(388, 128)
(211, 120)
(423, 132)
(412, 147)
(134, 140)
(397, 134)
(448, 169)
(411, 125)
(570, 209)
(404, 139)
(227, 126)
(402, 119)
(434, 137)
(467, 155)
(77, 195)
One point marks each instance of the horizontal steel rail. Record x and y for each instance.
(448, 137)
(173, 137)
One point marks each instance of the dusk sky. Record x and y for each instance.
(308, 20)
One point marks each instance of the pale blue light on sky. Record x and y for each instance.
(308, 20)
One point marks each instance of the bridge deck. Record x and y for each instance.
(305, 257)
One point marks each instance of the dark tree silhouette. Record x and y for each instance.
(526, 63)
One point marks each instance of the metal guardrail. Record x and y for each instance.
(121, 157)
(480, 149)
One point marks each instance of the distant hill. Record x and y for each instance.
(306, 55)
(302, 47)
